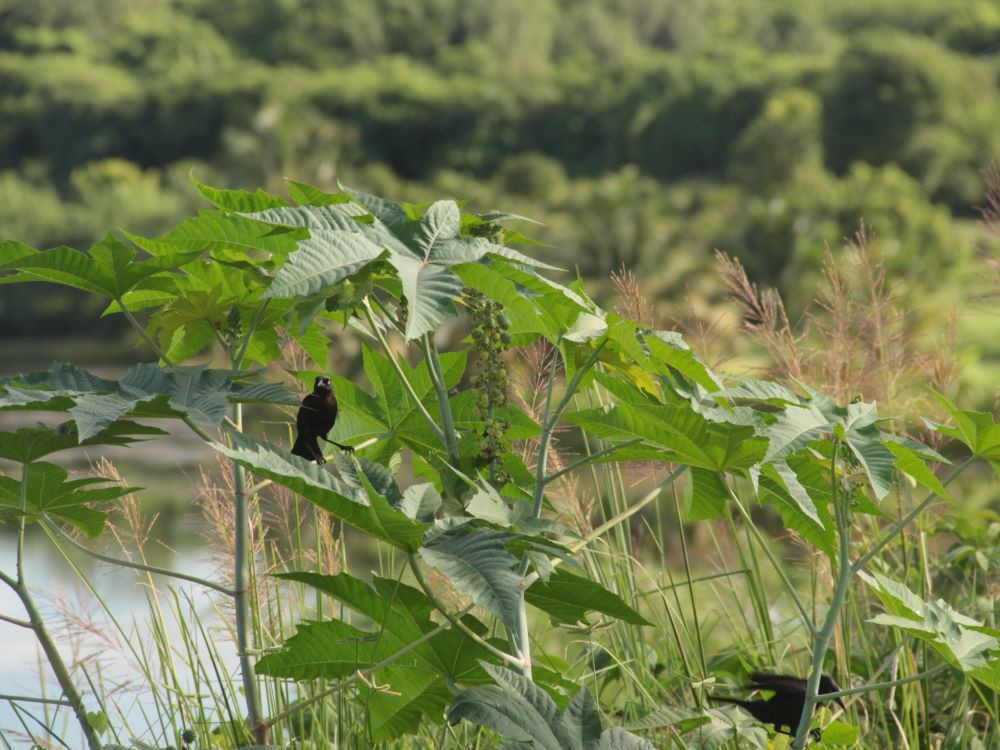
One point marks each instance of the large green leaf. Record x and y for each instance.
(144, 389)
(367, 511)
(568, 598)
(226, 236)
(478, 564)
(238, 201)
(794, 428)
(521, 712)
(977, 429)
(686, 436)
(30, 443)
(813, 480)
(413, 696)
(394, 617)
(961, 640)
(109, 269)
(324, 259)
(705, 494)
(50, 492)
(325, 650)
(431, 291)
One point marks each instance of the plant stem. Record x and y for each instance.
(882, 685)
(35, 622)
(29, 699)
(520, 637)
(139, 566)
(437, 378)
(142, 332)
(822, 639)
(240, 595)
(377, 332)
(238, 359)
(902, 523)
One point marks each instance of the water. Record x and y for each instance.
(85, 634)
(82, 630)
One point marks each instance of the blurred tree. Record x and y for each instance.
(783, 138)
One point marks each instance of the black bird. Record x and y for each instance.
(784, 708)
(314, 420)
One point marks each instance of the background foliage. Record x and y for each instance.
(641, 134)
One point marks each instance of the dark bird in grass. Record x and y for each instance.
(315, 419)
(784, 708)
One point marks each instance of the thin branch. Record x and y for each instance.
(883, 685)
(238, 360)
(437, 379)
(19, 623)
(142, 332)
(844, 575)
(29, 699)
(139, 566)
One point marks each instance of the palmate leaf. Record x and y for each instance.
(978, 430)
(521, 712)
(50, 492)
(109, 269)
(325, 650)
(685, 435)
(144, 390)
(478, 564)
(568, 598)
(430, 290)
(347, 236)
(398, 615)
(324, 259)
(238, 201)
(817, 528)
(226, 236)
(31, 443)
(705, 494)
(962, 641)
(417, 695)
(391, 414)
(364, 510)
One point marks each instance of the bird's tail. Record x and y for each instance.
(305, 448)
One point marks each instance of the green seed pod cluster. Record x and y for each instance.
(488, 230)
(491, 337)
(232, 329)
(402, 314)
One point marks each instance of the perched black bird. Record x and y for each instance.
(784, 708)
(314, 420)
